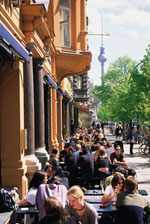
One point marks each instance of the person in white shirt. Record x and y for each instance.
(39, 177)
(112, 190)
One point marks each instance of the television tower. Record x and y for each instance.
(102, 59)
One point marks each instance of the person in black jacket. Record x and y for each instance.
(119, 132)
(86, 164)
(131, 138)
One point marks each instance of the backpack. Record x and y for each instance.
(7, 200)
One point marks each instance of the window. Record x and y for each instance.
(79, 82)
(65, 23)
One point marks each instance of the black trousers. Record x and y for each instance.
(131, 147)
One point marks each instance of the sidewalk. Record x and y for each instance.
(140, 163)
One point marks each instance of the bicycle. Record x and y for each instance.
(144, 147)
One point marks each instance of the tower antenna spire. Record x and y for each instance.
(102, 31)
(101, 56)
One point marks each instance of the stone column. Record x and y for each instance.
(54, 115)
(31, 161)
(59, 122)
(40, 151)
(51, 142)
(67, 120)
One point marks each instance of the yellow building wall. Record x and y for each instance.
(12, 121)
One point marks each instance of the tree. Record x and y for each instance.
(117, 71)
(113, 94)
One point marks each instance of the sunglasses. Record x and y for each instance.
(120, 183)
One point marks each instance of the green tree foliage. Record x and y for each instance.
(125, 93)
(117, 71)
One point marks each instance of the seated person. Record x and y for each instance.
(71, 165)
(77, 150)
(73, 141)
(102, 164)
(130, 204)
(54, 161)
(58, 171)
(71, 161)
(84, 212)
(96, 153)
(109, 149)
(55, 213)
(64, 152)
(85, 164)
(123, 171)
(118, 158)
(56, 189)
(39, 177)
(112, 190)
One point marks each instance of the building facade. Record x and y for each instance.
(40, 47)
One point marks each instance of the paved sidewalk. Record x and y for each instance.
(141, 164)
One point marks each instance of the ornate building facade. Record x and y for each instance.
(40, 47)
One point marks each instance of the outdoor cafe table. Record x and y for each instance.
(5, 217)
(93, 201)
(108, 209)
(93, 192)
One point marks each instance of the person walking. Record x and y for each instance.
(131, 138)
(119, 132)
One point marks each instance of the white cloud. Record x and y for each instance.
(45, 2)
(133, 33)
(99, 4)
(130, 16)
(117, 4)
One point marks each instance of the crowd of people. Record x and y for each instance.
(57, 194)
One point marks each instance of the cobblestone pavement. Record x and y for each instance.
(140, 163)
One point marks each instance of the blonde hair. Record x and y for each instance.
(75, 192)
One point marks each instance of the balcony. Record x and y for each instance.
(80, 95)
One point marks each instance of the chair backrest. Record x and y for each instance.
(127, 214)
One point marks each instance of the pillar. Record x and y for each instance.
(50, 122)
(59, 122)
(31, 161)
(54, 115)
(40, 151)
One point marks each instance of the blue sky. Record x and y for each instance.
(127, 22)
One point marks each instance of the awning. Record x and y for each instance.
(72, 64)
(13, 44)
(60, 90)
(82, 107)
(50, 81)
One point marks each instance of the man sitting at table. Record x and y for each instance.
(118, 158)
(130, 204)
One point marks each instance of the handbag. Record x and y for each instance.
(6, 202)
(9, 199)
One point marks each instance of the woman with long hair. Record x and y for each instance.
(55, 213)
(112, 190)
(39, 177)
